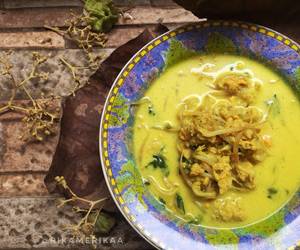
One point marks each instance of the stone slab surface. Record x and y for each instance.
(38, 223)
(60, 79)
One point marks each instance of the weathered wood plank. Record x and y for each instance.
(44, 39)
(38, 17)
(130, 3)
(37, 223)
(17, 185)
(51, 40)
(119, 36)
(150, 15)
(15, 4)
(163, 3)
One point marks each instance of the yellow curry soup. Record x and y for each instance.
(214, 135)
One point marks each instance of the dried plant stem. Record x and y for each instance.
(85, 220)
(82, 34)
(74, 73)
(57, 30)
(37, 116)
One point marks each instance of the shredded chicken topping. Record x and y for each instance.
(220, 139)
(228, 209)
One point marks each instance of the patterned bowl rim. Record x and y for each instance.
(129, 65)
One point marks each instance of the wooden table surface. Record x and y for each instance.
(28, 215)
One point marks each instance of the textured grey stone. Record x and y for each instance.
(60, 80)
(37, 223)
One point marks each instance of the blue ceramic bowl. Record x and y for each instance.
(147, 216)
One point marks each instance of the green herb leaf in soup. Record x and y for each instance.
(179, 203)
(159, 161)
(161, 200)
(272, 192)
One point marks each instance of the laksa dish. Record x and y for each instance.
(216, 140)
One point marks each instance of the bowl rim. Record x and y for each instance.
(172, 33)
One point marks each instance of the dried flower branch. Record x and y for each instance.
(74, 73)
(39, 117)
(87, 31)
(93, 220)
(82, 34)
(85, 39)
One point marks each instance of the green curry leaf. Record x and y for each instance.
(161, 200)
(179, 203)
(271, 192)
(159, 161)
